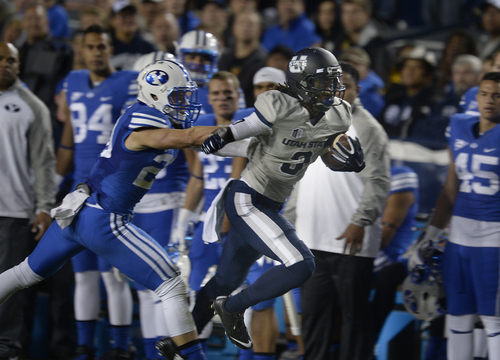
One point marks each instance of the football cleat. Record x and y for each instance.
(168, 349)
(234, 324)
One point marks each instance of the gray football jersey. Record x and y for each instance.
(279, 158)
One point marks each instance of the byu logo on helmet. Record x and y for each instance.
(157, 77)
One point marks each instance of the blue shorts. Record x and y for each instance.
(88, 261)
(112, 237)
(471, 280)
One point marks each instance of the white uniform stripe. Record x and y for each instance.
(117, 223)
(268, 231)
(172, 268)
(135, 123)
(136, 114)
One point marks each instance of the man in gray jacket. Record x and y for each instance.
(27, 191)
(336, 216)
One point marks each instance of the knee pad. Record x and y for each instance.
(172, 293)
(491, 325)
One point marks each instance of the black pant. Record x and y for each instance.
(338, 281)
(15, 246)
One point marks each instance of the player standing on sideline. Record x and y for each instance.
(471, 198)
(94, 100)
(97, 215)
(291, 126)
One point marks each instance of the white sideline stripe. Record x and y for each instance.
(409, 151)
(135, 248)
(270, 233)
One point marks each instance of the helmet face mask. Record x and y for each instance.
(314, 75)
(166, 86)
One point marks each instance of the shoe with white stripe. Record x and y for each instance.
(234, 324)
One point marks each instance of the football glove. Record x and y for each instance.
(217, 140)
(353, 160)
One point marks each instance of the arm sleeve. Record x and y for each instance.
(42, 158)
(252, 125)
(375, 176)
(235, 149)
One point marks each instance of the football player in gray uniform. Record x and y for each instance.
(290, 128)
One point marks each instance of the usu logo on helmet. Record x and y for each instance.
(157, 77)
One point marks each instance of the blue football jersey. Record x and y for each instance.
(94, 112)
(216, 169)
(403, 179)
(121, 177)
(468, 103)
(173, 178)
(477, 167)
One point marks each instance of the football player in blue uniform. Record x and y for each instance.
(471, 198)
(95, 99)
(199, 52)
(97, 215)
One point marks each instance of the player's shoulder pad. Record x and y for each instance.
(142, 116)
(273, 105)
(339, 117)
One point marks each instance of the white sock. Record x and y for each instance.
(460, 338)
(87, 295)
(19, 277)
(119, 300)
(172, 293)
(492, 328)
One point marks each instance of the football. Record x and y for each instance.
(341, 139)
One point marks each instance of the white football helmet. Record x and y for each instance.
(423, 294)
(147, 59)
(425, 252)
(166, 86)
(203, 43)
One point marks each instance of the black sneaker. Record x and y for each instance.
(83, 352)
(168, 349)
(234, 324)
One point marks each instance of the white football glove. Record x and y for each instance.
(181, 228)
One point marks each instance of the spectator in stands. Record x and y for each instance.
(127, 42)
(149, 9)
(12, 31)
(409, 105)
(236, 7)
(326, 26)
(44, 61)
(279, 56)
(294, 29)
(165, 31)
(458, 43)
(247, 55)
(465, 74)
(91, 17)
(187, 19)
(213, 19)
(58, 20)
(490, 21)
(360, 29)
(371, 85)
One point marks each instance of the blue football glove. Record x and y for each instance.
(213, 143)
(354, 159)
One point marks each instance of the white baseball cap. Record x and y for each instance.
(269, 74)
